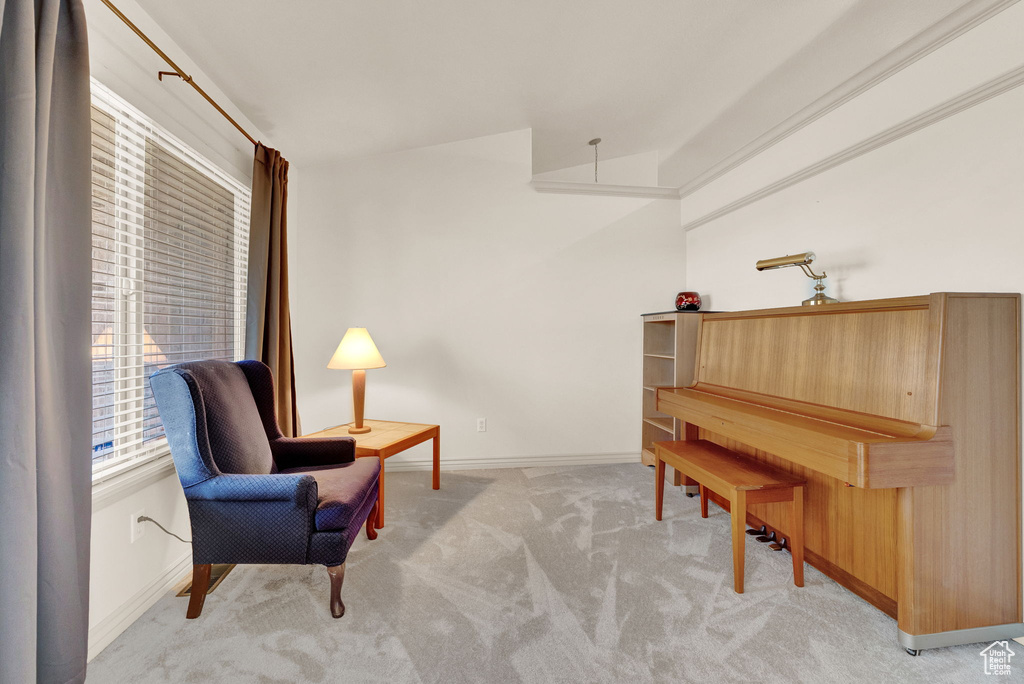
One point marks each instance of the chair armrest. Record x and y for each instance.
(297, 488)
(252, 518)
(301, 452)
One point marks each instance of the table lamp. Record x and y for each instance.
(357, 352)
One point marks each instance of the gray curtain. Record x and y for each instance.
(268, 322)
(45, 392)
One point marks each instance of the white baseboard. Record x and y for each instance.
(394, 466)
(111, 626)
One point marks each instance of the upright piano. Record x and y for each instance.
(904, 416)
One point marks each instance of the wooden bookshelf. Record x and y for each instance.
(669, 349)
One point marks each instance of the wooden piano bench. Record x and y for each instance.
(740, 481)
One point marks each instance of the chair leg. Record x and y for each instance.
(738, 513)
(371, 521)
(796, 536)
(337, 574)
(197, 595)
(703, 500)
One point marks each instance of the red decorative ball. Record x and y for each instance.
(688, 301)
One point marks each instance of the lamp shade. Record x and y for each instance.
(356, 351)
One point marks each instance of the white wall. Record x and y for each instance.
(486, 298)
(126, 578)
(941, 210)
(938, 209)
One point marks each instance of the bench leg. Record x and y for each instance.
(703, 500)
(738, 513)
(796, 536)
(659, 485)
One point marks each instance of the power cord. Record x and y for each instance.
(146, 518)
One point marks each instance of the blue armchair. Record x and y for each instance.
(255, 496)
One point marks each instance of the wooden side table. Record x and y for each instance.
(387, 438)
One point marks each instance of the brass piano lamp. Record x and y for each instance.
(803, 261)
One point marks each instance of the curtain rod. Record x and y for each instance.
(177, 70)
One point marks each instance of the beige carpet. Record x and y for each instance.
(531, 575)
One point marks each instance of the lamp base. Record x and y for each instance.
(820, 298)
(819, 294)
(358, 394)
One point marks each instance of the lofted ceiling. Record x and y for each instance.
(326, 80)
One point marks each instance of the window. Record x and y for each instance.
(169, 247)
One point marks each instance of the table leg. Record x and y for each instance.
(380, 495)
(437, 459)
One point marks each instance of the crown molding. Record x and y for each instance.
(986, 91)
(938, 34)
(576, 188)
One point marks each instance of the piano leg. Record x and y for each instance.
(738, 513)
(703, 501)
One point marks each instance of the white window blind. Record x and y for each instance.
(170, 234)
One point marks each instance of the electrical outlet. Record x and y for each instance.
(481, 425)
(138, 528)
